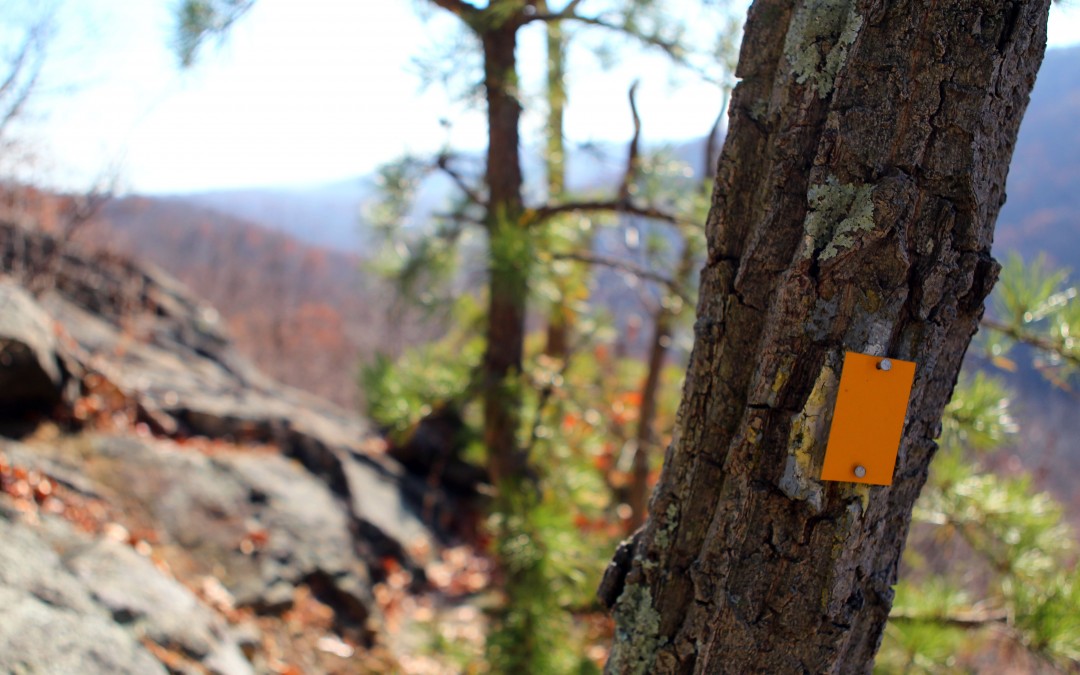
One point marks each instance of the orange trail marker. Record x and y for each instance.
(868, 420)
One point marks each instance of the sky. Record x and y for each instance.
(308, 92)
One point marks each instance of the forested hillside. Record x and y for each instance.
(328, 302)
(1042, 214)
(307, 315)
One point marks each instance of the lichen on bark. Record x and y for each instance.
(638, 634)
(838, 213)
(818, 40)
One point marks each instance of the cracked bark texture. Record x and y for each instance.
(853, 210)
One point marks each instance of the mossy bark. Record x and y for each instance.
(854, 210)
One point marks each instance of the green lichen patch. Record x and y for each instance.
(637, 632)
(838, 213)
(667, 527)
(818, 39)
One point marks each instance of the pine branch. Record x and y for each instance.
(458, 218)
(1034, 340)
(443, 163)
(625, 266)
(199, 20)
(673, 49)
(969, 620)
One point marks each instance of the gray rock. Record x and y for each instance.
(378, 498)
(317, 513)
(309, 529)
(29, 564)
(209, 505)
(36, 637)
(152, 604)
(60, 575)
(66, 470)
(166, 350)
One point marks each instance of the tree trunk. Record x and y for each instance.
(663, 328)
(560, 315)
(853, 210)
(509, 256)
(638, 495)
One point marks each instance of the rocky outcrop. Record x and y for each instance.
(30, 375)
(51, 621)
(182, 499)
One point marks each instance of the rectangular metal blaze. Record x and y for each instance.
(868, 419)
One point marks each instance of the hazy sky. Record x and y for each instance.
(305, 92)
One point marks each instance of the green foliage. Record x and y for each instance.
(919, 637)
(1027, 292)
(399, 393)
(453, 63)
(674, 185)
(197, 20)
(1035, 305)
(559, 282)
(978, 416)
(546, 562)
(1010, 569)
(421, 254)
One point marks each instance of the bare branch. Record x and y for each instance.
(84, 209)
(459, 8)
(443, 162)
(543, 213)
(632, 161)
(21, 82)
(16, 67)
(713, 140)
(15, 107)
(625, 266)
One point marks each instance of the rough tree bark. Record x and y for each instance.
(853, 210)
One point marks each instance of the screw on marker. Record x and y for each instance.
(860, 471)
(884, 364)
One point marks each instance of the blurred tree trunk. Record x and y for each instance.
(509, 255)
(853, 210)
(667, 313)
(560, 315)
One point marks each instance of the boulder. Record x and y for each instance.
(30, 375)
(274, 497)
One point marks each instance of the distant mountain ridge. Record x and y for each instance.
(1042, 212)
(283, 262)
(327, 215)
(305, 314)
